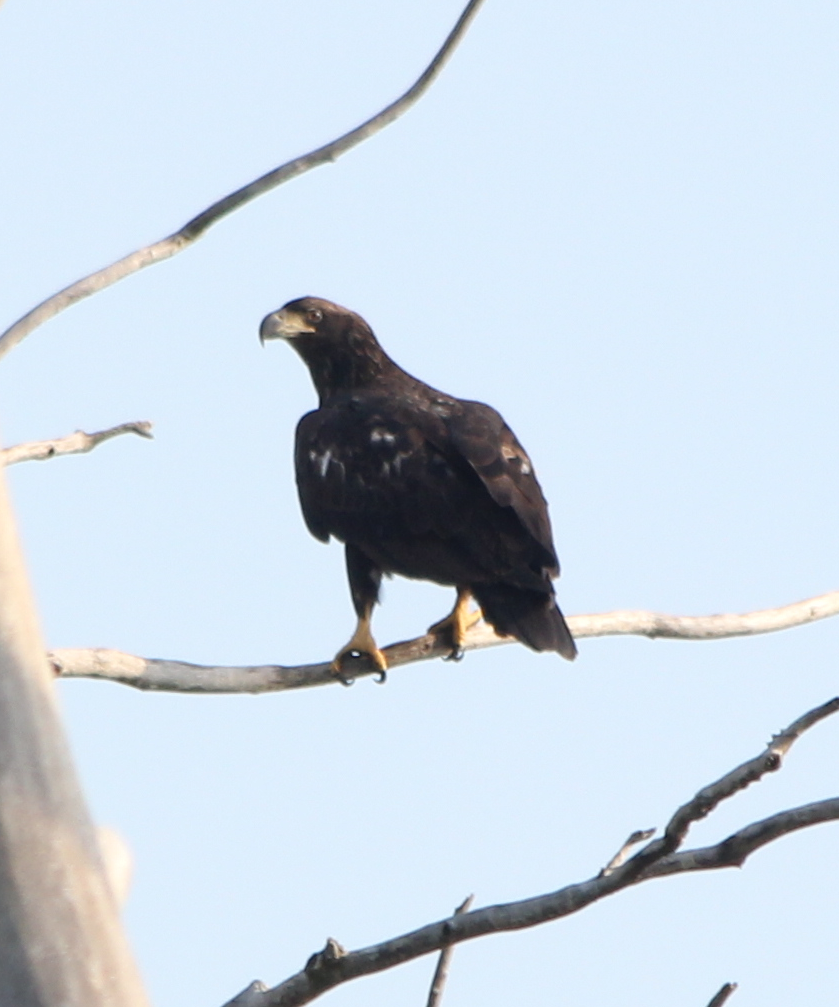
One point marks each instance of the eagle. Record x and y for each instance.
(417, 483)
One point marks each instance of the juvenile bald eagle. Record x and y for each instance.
(418, 483)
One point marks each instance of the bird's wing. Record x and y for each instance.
(373, 468)
(482, 437)
(441, 471)
(306, 442)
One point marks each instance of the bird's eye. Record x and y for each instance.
(315, 315)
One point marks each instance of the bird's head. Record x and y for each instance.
(337, 345)
(310, 318)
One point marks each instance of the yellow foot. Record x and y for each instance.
(362, 647)
(454, 627)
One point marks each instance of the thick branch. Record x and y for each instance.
(332, 967)
(179, 676)
(61, 938)
(78, 443)
(193, 229)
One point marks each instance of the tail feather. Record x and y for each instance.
(530, 616)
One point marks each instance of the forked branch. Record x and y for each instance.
(179, 676)
(441, 973)
(193, 229)
(334, 965)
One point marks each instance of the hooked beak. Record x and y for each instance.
(282, 324)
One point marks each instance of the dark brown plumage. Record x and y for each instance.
(417, 483)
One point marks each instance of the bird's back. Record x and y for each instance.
(388, 473)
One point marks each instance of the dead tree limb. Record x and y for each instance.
(62, 942)
(179, 676)
(639, 836)
(195, 228)
(723, 995)
(441, 973)
(78, 443)
(733, 851)
(326, 971)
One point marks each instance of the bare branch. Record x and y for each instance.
(78, 443)
(723, 995)
(656, 860)
(180, 676)
(252, 996)
(640, 836)
(441, 973)
(704, 802)
(193, 229)
(733, 851)
(706, 627)
(322, 961)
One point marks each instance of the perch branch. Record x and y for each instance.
(195, 228)
(179, 676)
(78, 443)
(325, 971)
(706, 627)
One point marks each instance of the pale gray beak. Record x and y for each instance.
(282, 324)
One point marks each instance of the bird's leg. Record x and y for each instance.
(365, 578)
(362, 644)
(454, 627)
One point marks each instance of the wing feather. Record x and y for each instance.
(444, 493)
(374, 470)
(482, 437)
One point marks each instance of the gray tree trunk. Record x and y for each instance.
(61, 941)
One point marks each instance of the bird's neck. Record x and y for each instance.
(347, 369)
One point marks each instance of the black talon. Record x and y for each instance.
(342, 678)
(457, 654)
(354, 656)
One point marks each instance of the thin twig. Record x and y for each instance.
(441, 973)
(180, 676)
(78, 443)
(307, 985)
(723, 995)
(640, 836)
(193, 229)
(704, 802)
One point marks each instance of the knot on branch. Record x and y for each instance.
(323, 962)
(253, 996)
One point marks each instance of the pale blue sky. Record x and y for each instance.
(616, 222)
